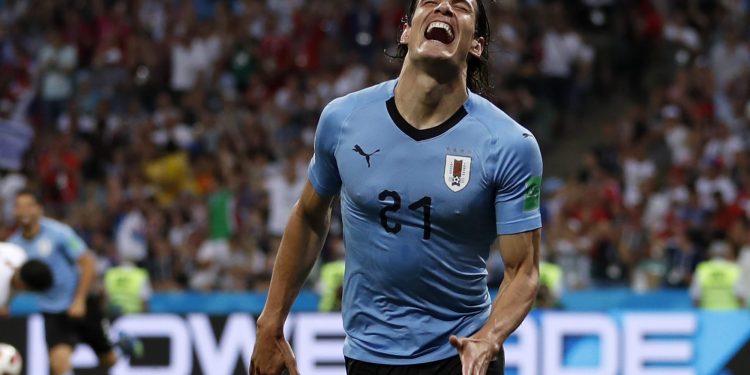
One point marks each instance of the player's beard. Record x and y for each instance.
(27, 222)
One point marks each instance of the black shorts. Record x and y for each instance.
(449, 366)
(59, 328)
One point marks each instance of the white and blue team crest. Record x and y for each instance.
(457, 171)
(44, 247)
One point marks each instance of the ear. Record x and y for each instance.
(404, 39)
(477, 47)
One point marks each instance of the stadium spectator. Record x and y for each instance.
(57, 63)
(331, 284)
(716, 285)
(127, 288)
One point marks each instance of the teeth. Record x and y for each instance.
(441, 25)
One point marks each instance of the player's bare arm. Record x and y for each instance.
(520, 253)
(300, 246)
(87, 269)
(16, 285)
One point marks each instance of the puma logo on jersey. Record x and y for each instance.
(362, 152)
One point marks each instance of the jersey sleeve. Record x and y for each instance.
(323, 171)
(72, 244)
(518, 179)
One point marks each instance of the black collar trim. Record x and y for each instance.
(423, 134)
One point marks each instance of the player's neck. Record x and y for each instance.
(425, 102)
(30, 231)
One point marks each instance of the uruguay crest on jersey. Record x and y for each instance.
(457, 171)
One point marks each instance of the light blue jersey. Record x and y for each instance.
(60, 247)
(420, 210)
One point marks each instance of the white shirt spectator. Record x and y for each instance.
(282, 195)
(678, 194)
(153, 16)
(725, 149)
(729, 63)
(209, 48)
(352, 79)
(707, 186)
(685, 35)
(215, 255)
(178, 234)
(180, 134)
(284, 11)
(56, 82)
(130, 237)
(187, 63)
(86, 124)
(9, 186)
(636, 172)
(678, 140)
(657, 209)
(562, 52)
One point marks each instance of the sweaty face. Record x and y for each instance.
(443, 30)
(28, 210)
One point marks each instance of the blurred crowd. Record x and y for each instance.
(667, 184)
(176, 133)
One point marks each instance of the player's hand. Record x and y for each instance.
(4, 312)
(475, 352)
(77, 309)
(272, 355)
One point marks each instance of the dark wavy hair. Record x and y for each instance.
(477, 75)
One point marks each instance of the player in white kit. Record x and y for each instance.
(16, 273)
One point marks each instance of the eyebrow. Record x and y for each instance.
(454, 2)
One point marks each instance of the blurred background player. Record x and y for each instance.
(11, 259)
(18, 274)
(71, 315)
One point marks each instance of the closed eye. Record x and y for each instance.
(463, 6)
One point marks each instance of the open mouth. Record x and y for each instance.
(439, 31)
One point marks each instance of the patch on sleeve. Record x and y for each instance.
(75, 244)
(533, 193)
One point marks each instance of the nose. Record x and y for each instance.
(444, 7)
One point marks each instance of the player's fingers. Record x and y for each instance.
(483, 368)
(465, 365)
(456, 342)
(289, 361)
(468, 368)
(291, 367)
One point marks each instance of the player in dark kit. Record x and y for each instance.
(430, 174)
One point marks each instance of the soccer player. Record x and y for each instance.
(430, 174)
(69, 314)
(16, 274)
